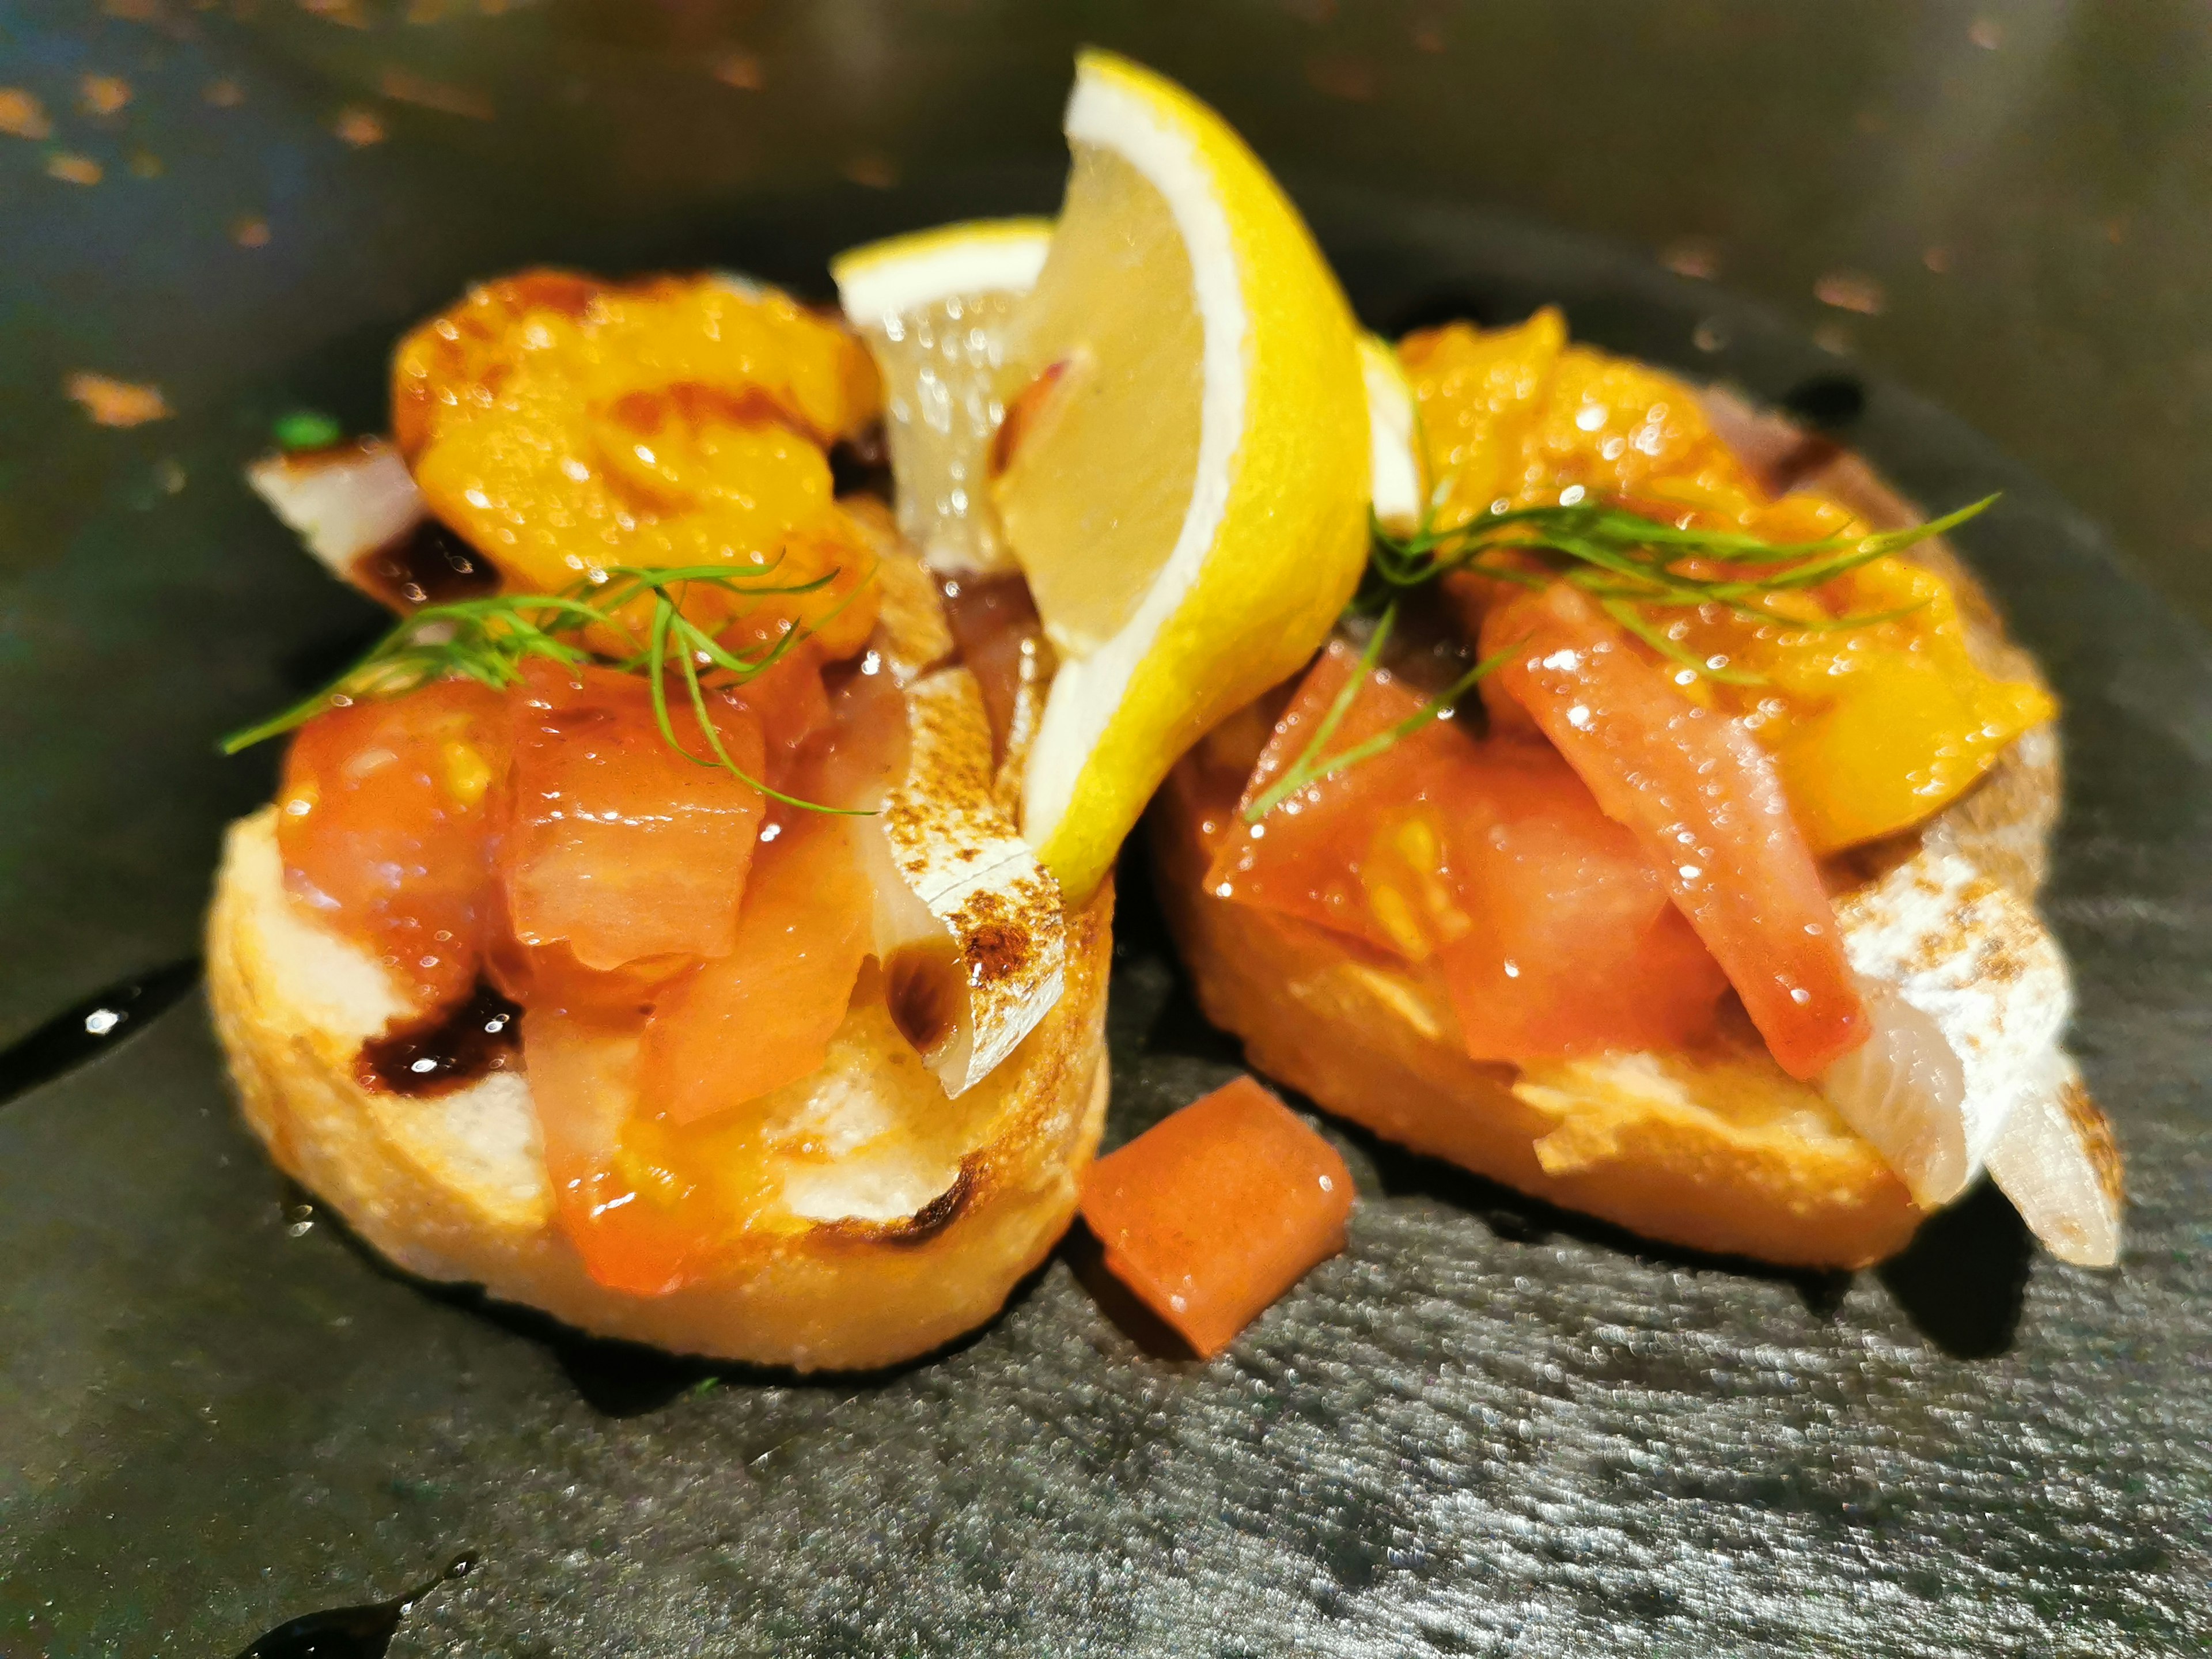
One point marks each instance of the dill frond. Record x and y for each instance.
(488, 639)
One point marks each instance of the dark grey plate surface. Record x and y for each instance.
(1488, 1428)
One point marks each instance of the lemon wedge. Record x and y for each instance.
(933, 308)
(1184, 460)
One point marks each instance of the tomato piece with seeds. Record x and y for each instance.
(385, 822)
(1487, 860)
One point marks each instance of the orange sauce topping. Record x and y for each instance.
(1874, 728)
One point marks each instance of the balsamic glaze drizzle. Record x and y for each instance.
(453, 1047)
(861, 466)
(361, 1632)
(88, 1028)
(426, 565)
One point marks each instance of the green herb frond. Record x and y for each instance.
(1309, 767)
(488, 639)
(1628, 562)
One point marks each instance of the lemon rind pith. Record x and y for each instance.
(900, 273)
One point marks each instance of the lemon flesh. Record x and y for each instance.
(1394, 424)
(1108, 355)
(1186, 461)
(934, 308)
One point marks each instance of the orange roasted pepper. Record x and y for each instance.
(1873, 728)
(564, 425)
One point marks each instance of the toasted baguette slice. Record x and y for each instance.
(908, 1227)
(1719, 1151)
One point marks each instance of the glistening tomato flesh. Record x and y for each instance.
(384, 823)
(1213, 1212)
(1486, 860)
(620, 845)
(763, 1016)
(639, 1073)
(1704, 801)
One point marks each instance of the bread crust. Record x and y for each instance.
(1719, 1153)
(453, 1186)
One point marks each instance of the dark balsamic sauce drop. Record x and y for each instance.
(861, 466)
(427, 565)
(361, 1632)
(91, 1028)
(449, 1049)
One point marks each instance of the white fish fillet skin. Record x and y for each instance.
(954, 848)
(1980, 965)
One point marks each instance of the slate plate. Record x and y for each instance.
(1488, 1428)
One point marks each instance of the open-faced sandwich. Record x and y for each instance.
(693, 919)
(649, 930)
(1660, 834)
(637, 933)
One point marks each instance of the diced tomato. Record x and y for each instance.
(763, 1016)
(623, 1063)
(653, 1173)
(1576, 947)
(1307, 858)
(1491, 861)
(629, 1202)
(385, 824)
(1212, 1213)
(1704, 801)
(618, 845)
(792, 704)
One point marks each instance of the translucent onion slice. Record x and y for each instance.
(2056, 1161)
(1955, 955)
(345, 502)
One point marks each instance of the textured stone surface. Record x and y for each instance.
(1486, 1429)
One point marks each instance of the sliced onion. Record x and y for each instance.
(2056, 1161)
(344, 502)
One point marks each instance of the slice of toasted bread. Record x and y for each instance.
(905, 1216)
(1722, 1153)
(1719, 1151)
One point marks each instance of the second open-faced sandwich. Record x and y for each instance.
(1659, 834)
